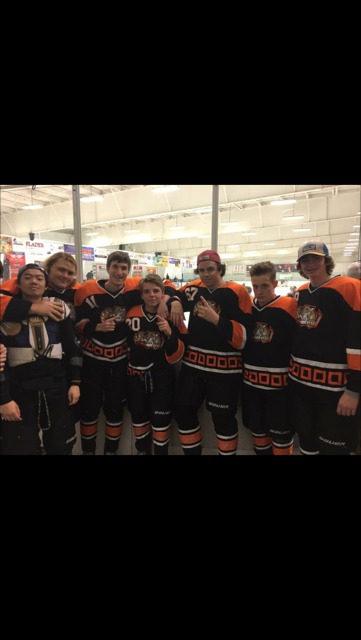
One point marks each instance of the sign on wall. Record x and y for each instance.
(87, 252)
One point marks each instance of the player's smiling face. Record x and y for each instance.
(118, 272)
(61, 274)
(314, 268)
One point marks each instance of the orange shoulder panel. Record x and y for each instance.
(11, 286)
(349, 288)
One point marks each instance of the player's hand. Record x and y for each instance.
(50, 308)
(347, 405)
(163, 325)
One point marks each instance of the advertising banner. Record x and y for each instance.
(87, 252)
(16, 261)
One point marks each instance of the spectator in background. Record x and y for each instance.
(6, 268)
(325, 367)
(291, 293)
(220, 314)
(266, 408)
(354, 270)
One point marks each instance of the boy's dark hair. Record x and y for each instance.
(264, 268)
(119, 256)
(151, 278)
(1, 269)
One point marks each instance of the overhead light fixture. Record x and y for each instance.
(130, 231)
(301, 229)
(96, 198)
(168, 187)
(269, 244)
(293, 217)
(249, 233)
(281, 203)
(92, 233)
(33, 206)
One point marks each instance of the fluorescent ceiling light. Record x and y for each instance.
(33, 206)
(293, 217)
(169, 187)
(301, 229)
(96, 198)
(354, 233)
(130, 231)
(227, 224)
(249, 233)
(269, 244)
(280, 203)
(92, 233)
(176, 227)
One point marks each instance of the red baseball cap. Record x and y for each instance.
(209, 254)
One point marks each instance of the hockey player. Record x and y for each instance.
(324, 375)
(61, 268)
(266, 409)
(154, 347)
(42, 356)
(220, 314)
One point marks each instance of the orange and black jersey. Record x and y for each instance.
(326, 349)
(266, 355)
(94, 304)
(216, 348)
(148, 345)
(16, 309)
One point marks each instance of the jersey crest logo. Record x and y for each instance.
(118, 313)
(149, 340)
(262, 332)
(308, 316)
